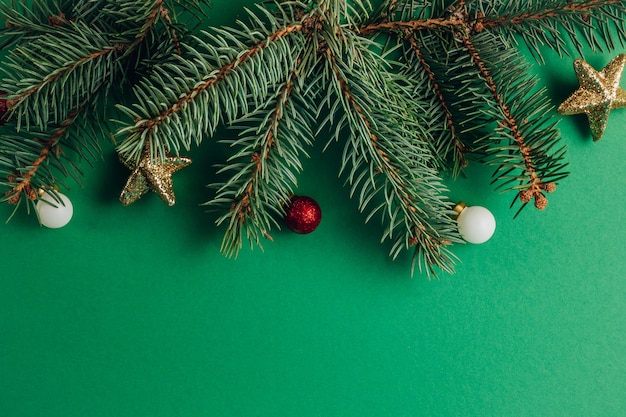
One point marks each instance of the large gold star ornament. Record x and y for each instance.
(152, 175)
(598, 94)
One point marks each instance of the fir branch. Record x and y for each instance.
(165, 15)
(538, 168)
(152, 14)
(26, 20)
(274, 75)
(463, 25)
(23, 175)
(509, 122)
(540, 24)
(529, 13)
(242, 208)
(62, 72)
(386, 161)
(23, 180)
(459, 149)
(262, 183)
(141, 20)
(219, 75)
(50, 76)
(212, 99)
(550, 24)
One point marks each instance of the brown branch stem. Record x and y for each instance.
(24, 181)
(146, 126)
(165, 14)
(458, 21)
(587, 6)
(536, 185)
(12, 103)
(458, 144)
(151, 20)
(259, 157)
(410, 25)
(158, 11)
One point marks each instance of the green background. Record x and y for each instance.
(132, 311)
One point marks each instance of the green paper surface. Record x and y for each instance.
(132, 311)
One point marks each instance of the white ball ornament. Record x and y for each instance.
(476, 223)
(51, 212)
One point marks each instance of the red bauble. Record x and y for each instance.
(303, 214)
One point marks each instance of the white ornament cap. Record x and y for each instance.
(476, 223)
(53, 213)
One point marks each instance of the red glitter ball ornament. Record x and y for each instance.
(303, 214)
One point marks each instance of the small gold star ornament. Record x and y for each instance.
(155, 175)
(598, 94)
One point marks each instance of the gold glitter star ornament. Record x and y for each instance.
(155, 175)
(598, 94)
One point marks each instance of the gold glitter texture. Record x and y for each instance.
(152, 175)
(599, 93)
